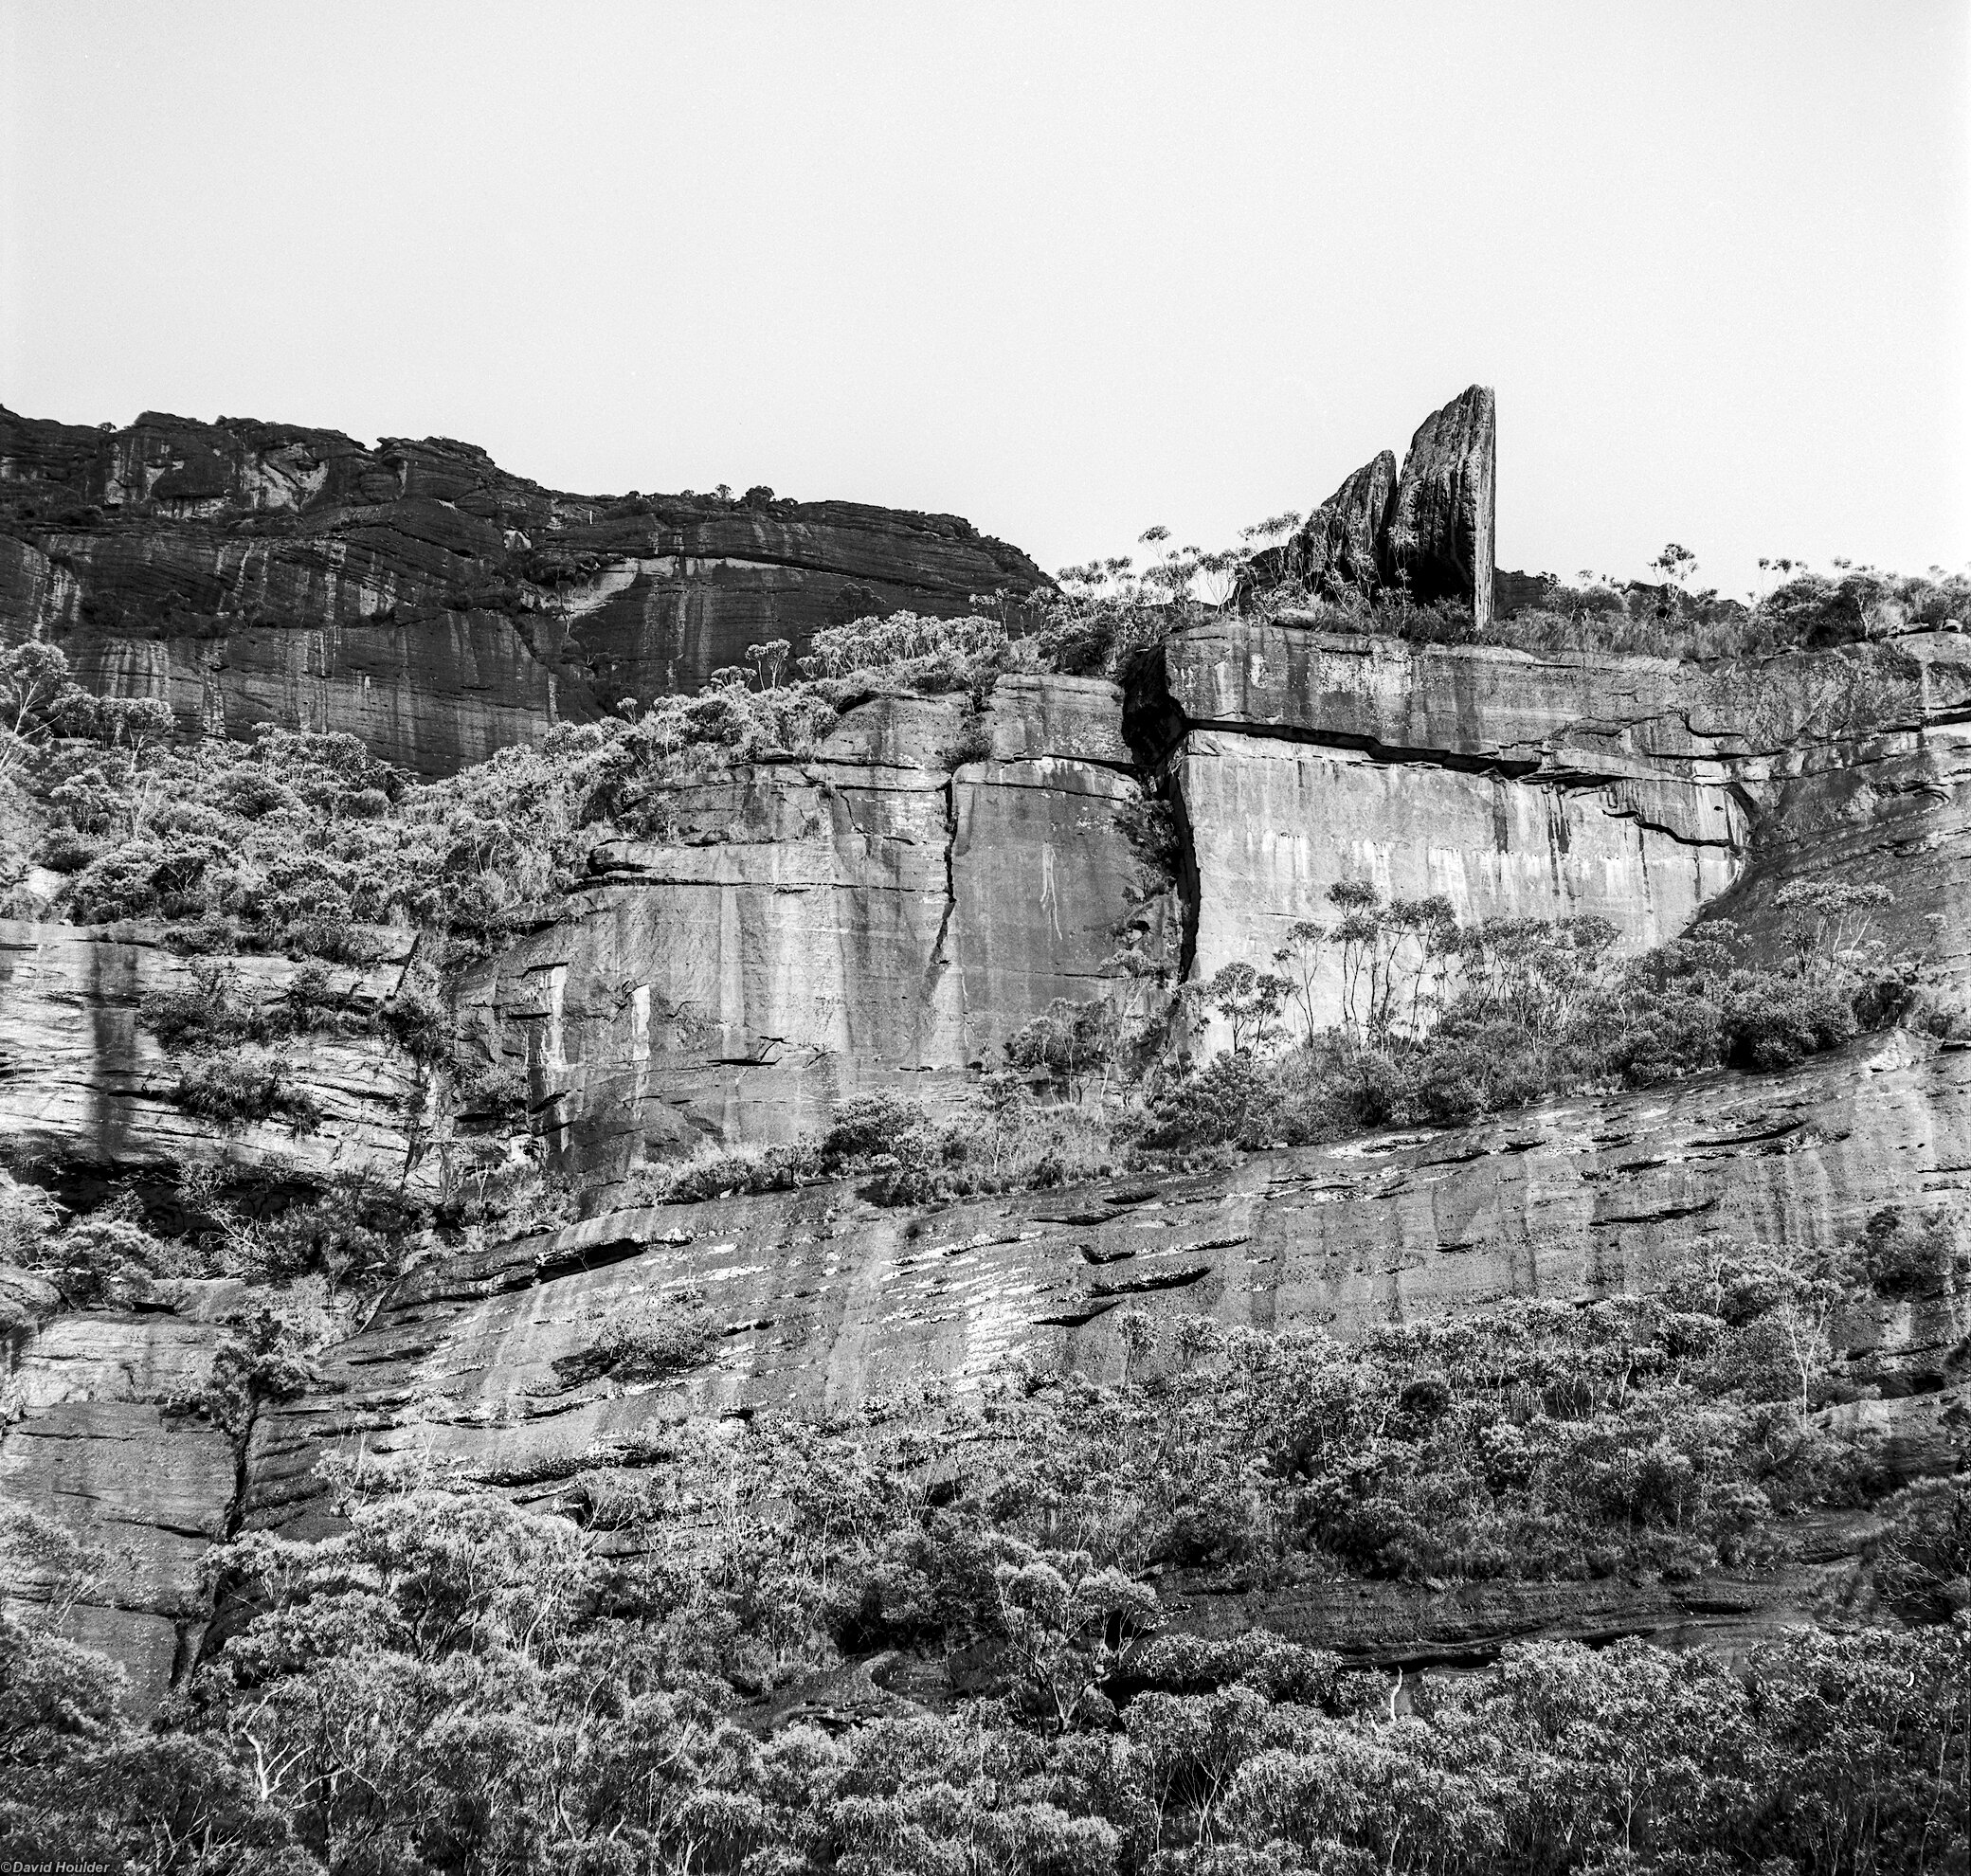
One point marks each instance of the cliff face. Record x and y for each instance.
(882, 913)
(85, 1091)
(827, 1300)
(1512, 785)
(416, 594)
(1634, 789)
(879, 916)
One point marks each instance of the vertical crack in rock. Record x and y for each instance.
(1190, 884)
(1153, 724)
(940, 958)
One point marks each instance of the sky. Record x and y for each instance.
(1068, 270)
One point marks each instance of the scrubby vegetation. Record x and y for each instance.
(936, 1640)
(298, 842)
(1803, 611)
(1006, 1141)
(655, 1344)
(1443, 1023)
(346, 1237)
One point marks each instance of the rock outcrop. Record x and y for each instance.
(1427, 531)
(1441, 531)
(1343, 546)
(416, 594)
(1635, 789)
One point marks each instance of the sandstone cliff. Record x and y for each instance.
(879, 912)
(417, 594)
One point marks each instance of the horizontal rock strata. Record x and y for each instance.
(824, 1300)
(83, 1086)
(1630, 789)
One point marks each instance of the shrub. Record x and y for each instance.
(66, 850)
(419, 1020)
(1911, 1253)
(28, 1220)
(242, 1086)
(719, 1174)
(1005, 1142)
(496, 1095)
(1067, 1043)
(107, 1259)
(1768, 1020)
(972, 744)
(1922, 1560)
(214, 1010)
(908, 649)
(145, 878)
(220, 1009)
(267, 1357)
(656, 1344)
(353, 1234)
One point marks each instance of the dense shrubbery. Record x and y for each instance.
(1536, 1439)
(294, 841)
(342, 1240)
(1907, 1253)
(458, 1684)
(104, 1259)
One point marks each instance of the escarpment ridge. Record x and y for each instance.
(418, 595)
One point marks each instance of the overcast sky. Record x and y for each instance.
(1068, 270)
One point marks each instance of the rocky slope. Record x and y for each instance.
(416, 594)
